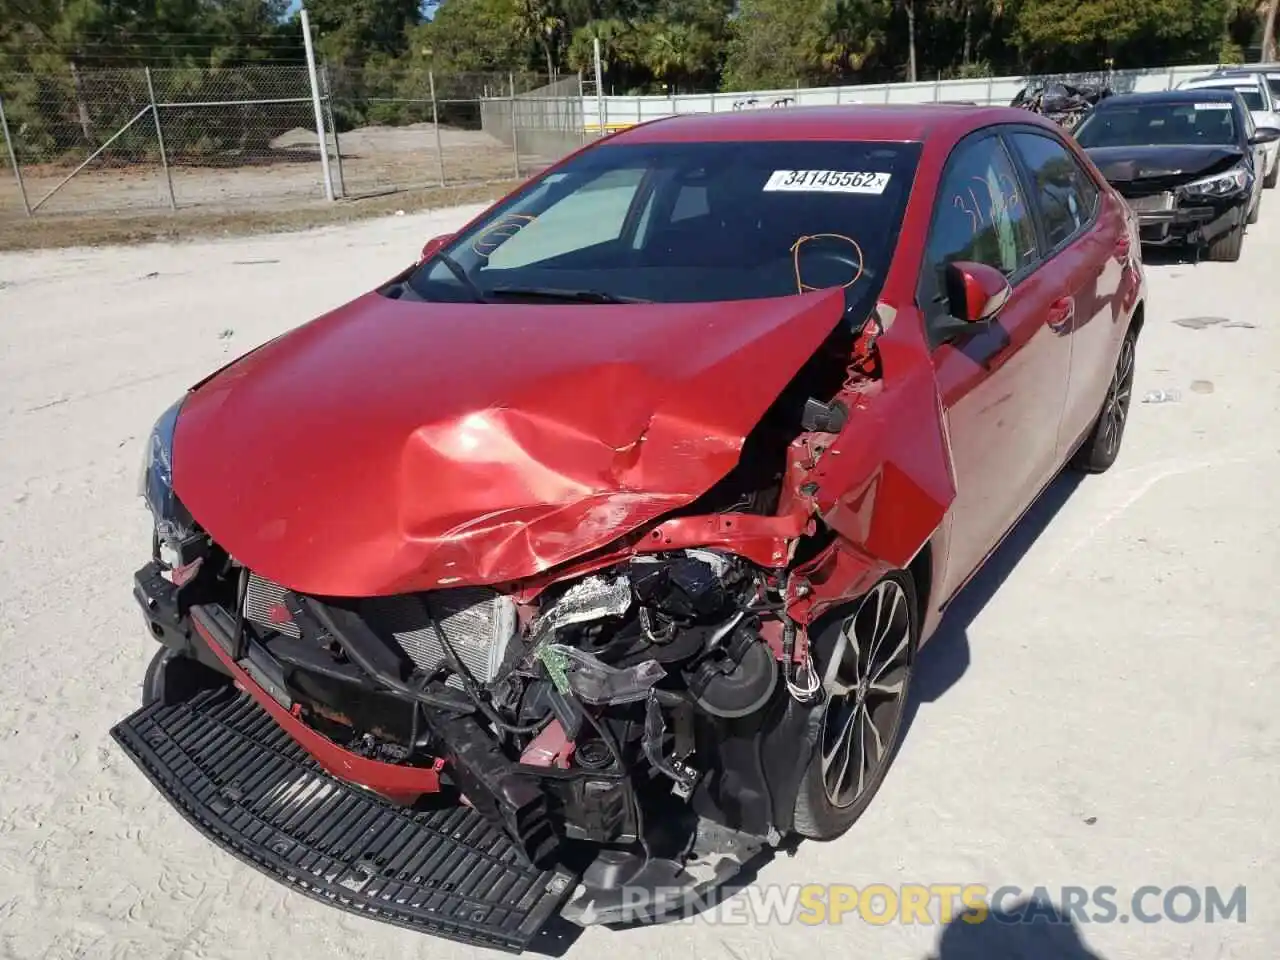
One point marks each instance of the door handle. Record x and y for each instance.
(1060, 313)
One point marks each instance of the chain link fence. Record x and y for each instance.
(112, 140)
(541, 125)
(106, 141)
(245, 138)
(405, 127)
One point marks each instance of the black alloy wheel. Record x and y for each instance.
(866, 676)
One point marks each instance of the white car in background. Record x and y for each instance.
(1264, 108)
(1268, 71)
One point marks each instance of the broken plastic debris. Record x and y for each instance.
(588, 599)
(1162, 396)
(596, 682)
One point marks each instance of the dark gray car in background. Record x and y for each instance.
(1189, 162)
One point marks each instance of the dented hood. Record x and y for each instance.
(1169, 164)
(392, 446)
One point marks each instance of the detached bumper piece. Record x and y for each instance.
(1189, 224)
(239, 779)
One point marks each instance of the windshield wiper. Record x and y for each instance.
(573, 296)
(456, 269)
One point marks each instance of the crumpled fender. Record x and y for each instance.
(887, 481)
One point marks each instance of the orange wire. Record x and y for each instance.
(801, 286)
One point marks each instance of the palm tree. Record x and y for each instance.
(673, 51)
(542, 25)
(1269, 33)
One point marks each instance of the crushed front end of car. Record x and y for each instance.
(464, 643)
(472, 758)
(1190, 211)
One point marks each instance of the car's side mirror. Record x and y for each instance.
(975, 292)
(435, 243)
(1264, 135)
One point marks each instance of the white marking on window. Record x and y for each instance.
(827, 181)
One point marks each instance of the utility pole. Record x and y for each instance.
(305, 23)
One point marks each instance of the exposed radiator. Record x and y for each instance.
(477, 621)
(264, 606)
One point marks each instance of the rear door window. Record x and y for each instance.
(1066, 196)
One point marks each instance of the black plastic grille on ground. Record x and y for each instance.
(243, 782)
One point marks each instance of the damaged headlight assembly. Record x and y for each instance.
(173, 524)
(1228, 184)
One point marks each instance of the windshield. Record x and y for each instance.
(1252, 97)
(1160, 124)
(687, 222)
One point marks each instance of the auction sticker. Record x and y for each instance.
(1213, 106)
(827, 181)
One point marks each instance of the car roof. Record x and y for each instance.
(1238, 82)
(1183, 95)
(870, 122)
(1246, 70)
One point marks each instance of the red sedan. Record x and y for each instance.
(590, 556)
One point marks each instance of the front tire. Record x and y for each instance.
(866, 670)
(1226, 247)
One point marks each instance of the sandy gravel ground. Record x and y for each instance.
(373, 159)
(1099, 710)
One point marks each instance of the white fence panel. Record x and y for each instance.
(622, 111)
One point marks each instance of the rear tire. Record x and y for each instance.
(1226, 248)
(1102, 446)
(866, 670)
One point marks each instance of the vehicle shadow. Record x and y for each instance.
(1173, 257)
(945, 658)
(1042, 933)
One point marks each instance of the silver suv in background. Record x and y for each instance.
(1268, 71)
(1263, 104)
